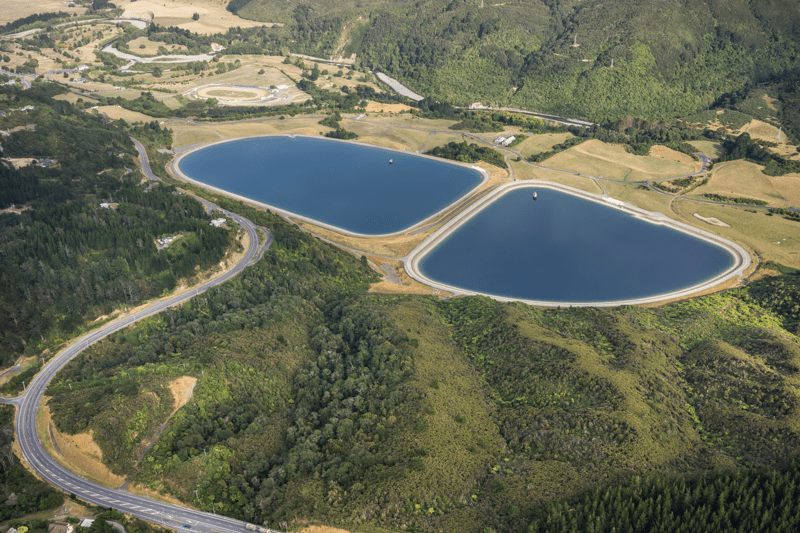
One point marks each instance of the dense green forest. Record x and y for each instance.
(66, 260)
(593, 59)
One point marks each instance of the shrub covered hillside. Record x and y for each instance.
(317, 401)
(582, 58)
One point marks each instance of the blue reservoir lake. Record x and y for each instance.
(562, 248)
(349, 186)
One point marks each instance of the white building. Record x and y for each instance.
(505, 141)
(217, 222)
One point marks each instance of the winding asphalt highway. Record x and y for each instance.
(173, 516)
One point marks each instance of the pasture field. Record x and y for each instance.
(11, 10)
(709, 148)
(187, 134)
(142, 46)
(73, 98)
(380, 107)
(771, 237)
(116, 112)
(767, 132)
(127, 94)
(745, 179)
(596, 158)
(397, 138)
(640, 197)
(583, 184)
(536, 144)
(214, 18)
(440, 139)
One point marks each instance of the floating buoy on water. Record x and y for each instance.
(534, 195)
(391, 161)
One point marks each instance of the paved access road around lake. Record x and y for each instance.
(173, 516)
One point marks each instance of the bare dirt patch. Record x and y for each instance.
(81, 453)
(322, 529)
(181, 390)
(712, 220)
(15, 209)
(406, 284)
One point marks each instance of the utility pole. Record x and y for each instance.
(575, 41)
(23, 386)
(612, 62)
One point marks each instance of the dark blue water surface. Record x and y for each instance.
(567, 249)
(346, 185)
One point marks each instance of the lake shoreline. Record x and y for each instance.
(741, 259)
(174, 168)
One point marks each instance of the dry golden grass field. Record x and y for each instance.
(380, 107)
(81, 454)
(583, 184)
(772, 237)
(214, 18)
(73, 98)
(709, 148)
(115, 113)
(745, 179)
(143, 46)
(536, 144)
(768, 132)
(596, 158)
(15, 9)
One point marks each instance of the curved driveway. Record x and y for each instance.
(173, 516)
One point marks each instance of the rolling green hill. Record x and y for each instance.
(317, 401)
(670, 57)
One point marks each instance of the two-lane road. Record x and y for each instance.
(173, 516)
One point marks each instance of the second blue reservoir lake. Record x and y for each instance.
(562, 248)
(352, 187)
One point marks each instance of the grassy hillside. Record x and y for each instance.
(316, 401)
(669, 58)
